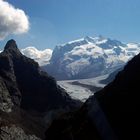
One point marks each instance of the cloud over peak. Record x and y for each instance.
(12, 20)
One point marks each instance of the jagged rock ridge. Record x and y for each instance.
(27, 84)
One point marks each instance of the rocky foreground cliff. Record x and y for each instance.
(28, 97)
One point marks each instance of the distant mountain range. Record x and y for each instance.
(89, 57)
(84, 58)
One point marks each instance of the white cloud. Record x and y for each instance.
(41, 56)
(12, 20)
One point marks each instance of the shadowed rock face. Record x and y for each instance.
(118, 101)
(27, 95)
(28, 86)
(73, 126)
(6, 103)
(7, 71)
(111, 76)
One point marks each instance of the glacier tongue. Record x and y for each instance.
(81, 89)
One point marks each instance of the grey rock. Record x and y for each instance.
(15, 133)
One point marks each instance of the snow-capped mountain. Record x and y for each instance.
(41, 56)
(89, 57)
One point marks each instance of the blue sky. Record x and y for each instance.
(54, 22)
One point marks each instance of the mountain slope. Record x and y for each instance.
(113, 112)
(27, 91)
(89, 57)
(38, 90)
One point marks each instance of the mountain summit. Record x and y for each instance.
(11, 47)
(11, 44)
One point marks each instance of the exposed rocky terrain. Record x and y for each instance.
(27, 95)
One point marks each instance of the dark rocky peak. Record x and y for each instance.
(11, 44)
(11, 48)
(27, 84)
(7, 72)
(24, 90)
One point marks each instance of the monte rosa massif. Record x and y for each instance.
(84, 58)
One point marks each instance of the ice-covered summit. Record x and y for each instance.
(90, 57)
